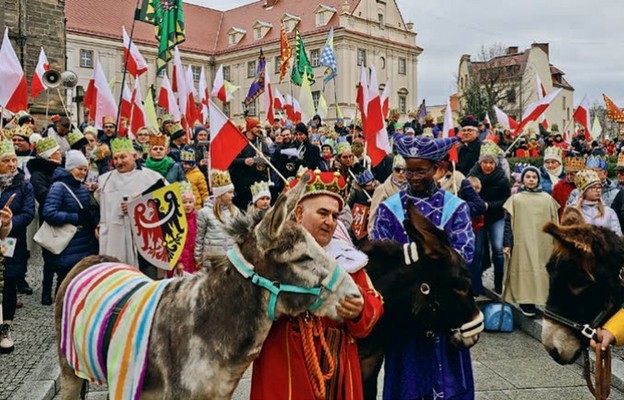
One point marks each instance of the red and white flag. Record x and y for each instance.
(191, 109)
(581, 115)
(293, 109)
(487, 121)
(177, 74)
(505, 120)
(167, 100)
(375, 133)
(13, 86)
(536, 109)
(278, 99)
(36, 85)
(137, 116)
(222, 89)
(385, 100)
(126, 102)
(362, 96)
(98, 97)
(448, 130)
(204, 96)
(541, 93)
(133, 60)
(268, 99)
(226, 141)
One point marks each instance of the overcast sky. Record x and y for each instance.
(586, 39)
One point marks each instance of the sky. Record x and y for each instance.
(586, 39)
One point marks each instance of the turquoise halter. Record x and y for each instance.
(275, 288)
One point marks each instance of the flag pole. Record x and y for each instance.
(261, 154)
(125, 67)
(453, 178)
(355, 179)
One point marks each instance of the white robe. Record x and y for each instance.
(115, 230)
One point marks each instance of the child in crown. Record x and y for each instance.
(186, 262)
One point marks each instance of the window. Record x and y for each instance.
(251, 69)
(402, 104)
(315, 57)
(232, 39)
(196, 72)
(321, 19)
(226, 73)
(361, 57)
(226, 109)
(564, 103)
(86, 58)
(402, 66)
(251, 109)
(278, 64)
(382, 62)
(380, 18)
(288, 26)
(316, 95)
(258, 33)
(162, 72)
(511, 96)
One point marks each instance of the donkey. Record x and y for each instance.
(207, 329)
(432, 295)
(585, 271)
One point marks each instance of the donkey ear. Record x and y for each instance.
(572, 237)
(424, 233)
(572, 216)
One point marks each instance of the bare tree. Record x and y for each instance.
(610, 128)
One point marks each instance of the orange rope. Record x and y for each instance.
(310, 327)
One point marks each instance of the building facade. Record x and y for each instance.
(524, 69)
(366, 32)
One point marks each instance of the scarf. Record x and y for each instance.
(402, 185)
(160, 166)
(6, 180)
(554, 174)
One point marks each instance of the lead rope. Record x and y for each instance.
(310, 326)
(602, 373)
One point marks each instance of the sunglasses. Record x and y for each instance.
(399, 170)
(109, 126)
(347, 157)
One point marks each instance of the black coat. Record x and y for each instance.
(468, 155)
(243, 175)
(23, 208)
(495, 190)
(41, 171)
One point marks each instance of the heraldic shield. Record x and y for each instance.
(159, 226)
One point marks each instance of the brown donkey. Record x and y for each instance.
(207, 329)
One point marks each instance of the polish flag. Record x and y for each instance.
(541, 93)
(167, 100)
(385, 100)
(486, 120)
(126, 102)
(226, 141)
(293, 109)
(362, 96)
(268, 99)
(448, 130)
(133, 60)
(36, 85)
(179, 84)
(13, 87)
(204, 95)
(177, 74)
(98, 97)
(535, 110)
(222, 89)
(191, 109)
(505, 120)
(278, 100)
(581, 115)
(137, 117)
(375, 133)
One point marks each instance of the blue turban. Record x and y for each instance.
(424, 147)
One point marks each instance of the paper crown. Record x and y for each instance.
(220, 178)
(45, 145)
(364, 178)
(185, 188)
(323, 183)
(108, 119)
(489, 149)
(24, 131)
(74, 137)
(6, 133)
(174, 128)
(260, 189)
(620, 161)
(18, 115)
(553, 153)
(119, 145)
(586, 178)
(6, 147)
(167, 118)
(187, 155)
(157, 140)
(574, 164)
(343, 147)
(596, 162)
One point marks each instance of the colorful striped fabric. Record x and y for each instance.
(88, 306)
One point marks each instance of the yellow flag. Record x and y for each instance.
(305, 100)
(321, 109)
(150, 110)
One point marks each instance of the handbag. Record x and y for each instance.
(56, 238)
(498, 316)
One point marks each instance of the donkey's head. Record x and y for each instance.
(285, 253)
(441, 298)
(584, 280)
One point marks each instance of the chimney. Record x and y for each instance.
(512, 50)
(543, 46)
(270, 3)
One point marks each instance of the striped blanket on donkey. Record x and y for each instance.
(108, 311)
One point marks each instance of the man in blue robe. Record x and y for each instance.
(418, 367)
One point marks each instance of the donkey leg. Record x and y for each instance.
(70, 383)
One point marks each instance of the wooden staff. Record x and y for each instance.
(355, 179)
(261, 154)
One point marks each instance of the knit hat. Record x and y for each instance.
(6, 148)
(251, 123)
(553, 153)
(530, 168)
(424, 147)
(74, 159)
(489, 151)
(259, 190)
(301, 128)
(585, 179)
(469, 120)
(221, 182)
(46, 147)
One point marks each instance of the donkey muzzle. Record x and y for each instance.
(467, 335)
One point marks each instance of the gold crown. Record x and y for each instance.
(324, 182)
(259, 187)
(553, 153)
(187, 155)
(24, 131)
(620, 161)
(74, 137)
(158, 140)
(585, 178)
(220, 178)
(6, 147)
(185, 188)
(573, 164)
(174, 128)
(489, 149)
(7, 133)
(45, 144)
(119, 145)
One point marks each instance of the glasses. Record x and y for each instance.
(347, 157)
(109, 126)
(596, 188)
(399, 170)
(409, 174)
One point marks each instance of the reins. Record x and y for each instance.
(602, 372)
(311, 326)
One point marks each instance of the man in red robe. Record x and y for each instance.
(294, 362)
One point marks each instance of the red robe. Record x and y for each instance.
(561, 191)
(280, 371)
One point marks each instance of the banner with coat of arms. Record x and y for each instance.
(159, 226)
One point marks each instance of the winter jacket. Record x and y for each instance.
(495, 190)
(23, 208)
(41, 171)
(608, 220)
(546, 182)
(468, 155)
(211, 237)
(61, 208)
(187, 257)
(175, 174)
(199, 185)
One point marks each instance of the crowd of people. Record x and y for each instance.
(61, 174)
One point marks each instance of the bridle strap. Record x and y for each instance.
(602, 373)
(586, 330)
